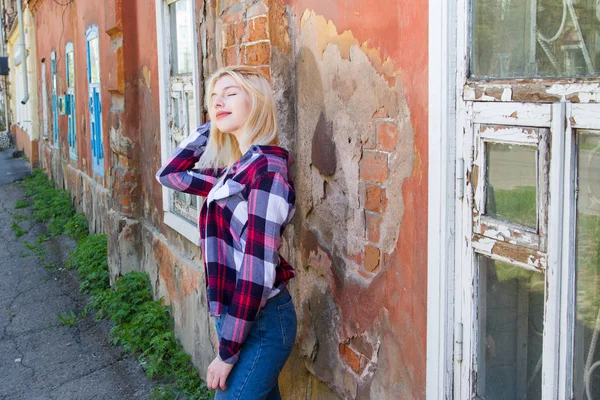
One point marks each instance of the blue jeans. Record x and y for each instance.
(263, 353)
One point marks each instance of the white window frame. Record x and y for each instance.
(448, 67)
(181, 225)
(466, 284)
(44, 101)
(73, 150)
(441, 200)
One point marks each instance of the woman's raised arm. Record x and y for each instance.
(179, 174)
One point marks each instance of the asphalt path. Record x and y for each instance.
(41, 358)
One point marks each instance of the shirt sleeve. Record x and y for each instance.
(270, 205)
(179, 174)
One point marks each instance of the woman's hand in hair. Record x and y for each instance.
(217, 374)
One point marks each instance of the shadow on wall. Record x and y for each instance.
(354, 149)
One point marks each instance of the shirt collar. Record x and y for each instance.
(256, 149)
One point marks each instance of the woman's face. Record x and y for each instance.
(230, 107)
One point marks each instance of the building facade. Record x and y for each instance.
(446, 232)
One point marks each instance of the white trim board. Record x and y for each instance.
(441, 200)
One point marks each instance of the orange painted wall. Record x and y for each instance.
(400, 30)
(23, 142)
(55, 27)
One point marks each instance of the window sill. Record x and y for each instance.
(185, 228)
(584, 90)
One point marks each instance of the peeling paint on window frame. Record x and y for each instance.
(570, 101)
(177, 215)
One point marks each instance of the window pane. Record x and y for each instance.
(511, 313)
(587, 327)
(191, 113)
(184, 122)
(180, 14)
(94, 61)
(511, 183)
(535, 38)
(71, 70)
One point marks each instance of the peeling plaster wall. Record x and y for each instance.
(359, 237)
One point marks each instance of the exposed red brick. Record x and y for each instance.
(374, 166)
(256, 29)
(372, 198)
(350, 357)
(229, 33)
(230, 55)
(364, 274)
(225, 4)
(373, 227)
(357, 258)
(372, 256)
(240, 28)
(256, 10)
(266, 71)
(384, 201)
(256, 54)
(387, 136)
(233, 14)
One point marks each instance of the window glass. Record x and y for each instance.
(94, 60)
(70, 70)
(511, 314)
(587, 326)
(535, 38)
(180, 14)
(511, 188)
(184, 123)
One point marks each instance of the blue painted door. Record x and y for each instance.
(94, 99)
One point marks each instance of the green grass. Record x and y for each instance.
(17, 229)
(68, 319)
(142, 325)
(516, 205)
(588, 269)
(35, 249)
(21, 204)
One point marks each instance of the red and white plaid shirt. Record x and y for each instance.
(241, 223)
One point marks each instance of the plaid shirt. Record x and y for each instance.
(241, 223)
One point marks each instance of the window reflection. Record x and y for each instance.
(587, 327)
(180, 14)
(94, 61)
(71, 70)
(535, 38)
(511, 313)
(511, 182)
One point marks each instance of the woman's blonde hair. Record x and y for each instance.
(260, 128)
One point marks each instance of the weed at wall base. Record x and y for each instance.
(142, 325)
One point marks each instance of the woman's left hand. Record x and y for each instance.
(217, 374)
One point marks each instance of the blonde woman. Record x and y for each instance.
(249, 199)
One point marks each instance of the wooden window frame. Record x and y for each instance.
(451, 99)
(183, 226)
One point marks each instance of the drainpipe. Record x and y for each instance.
(23, 52)
(3, 53)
